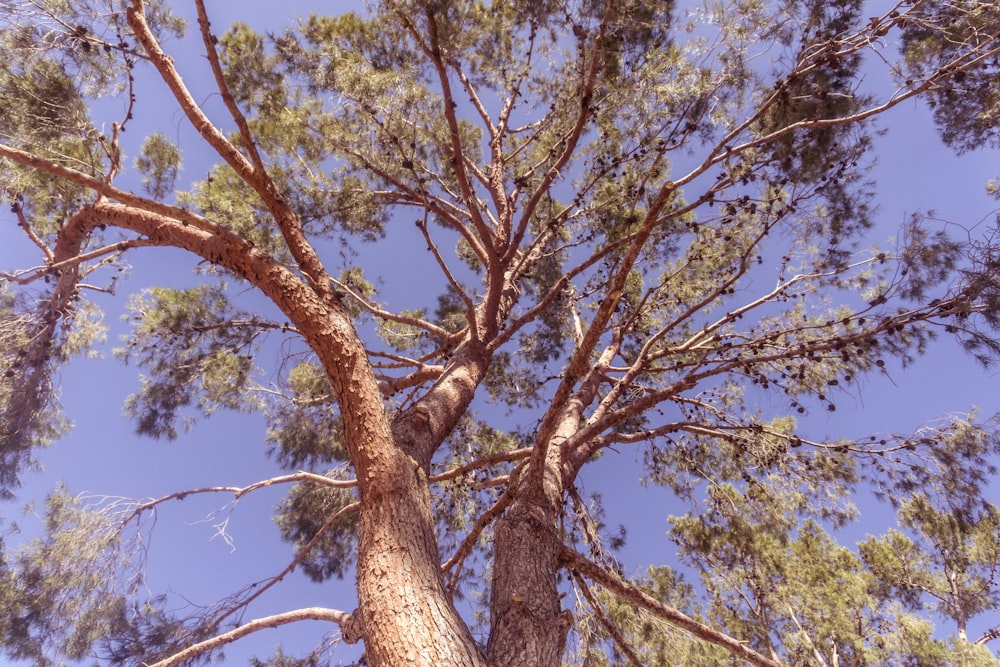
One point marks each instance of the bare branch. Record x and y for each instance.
(459, 165)
(344, 619)
(485, 519)
(286, 220)
(240, 491)
(22, 222)
(259, 588)
(34, 273)
(165, 66)
(390, 316)
(482, 462)
(101, 187)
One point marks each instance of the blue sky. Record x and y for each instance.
(102, 456)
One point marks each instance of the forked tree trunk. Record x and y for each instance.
(407, 618)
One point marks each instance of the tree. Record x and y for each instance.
(601, 189)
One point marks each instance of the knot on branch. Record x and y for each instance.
(351, 628)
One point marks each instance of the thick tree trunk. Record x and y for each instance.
(408, 618)
(528, 625)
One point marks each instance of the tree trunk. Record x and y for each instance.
(528, 625)
(408, 618)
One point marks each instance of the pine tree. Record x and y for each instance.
(592, 197)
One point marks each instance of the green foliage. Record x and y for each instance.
(303, 519)
(33, 345)
(158, 163)
(29, 415)
(208, 362)
(947, 555)
(43, 102)
(232, 203)
(305, 431)
(66, 586)
(653, 641)
(280, 659)
(966, 107)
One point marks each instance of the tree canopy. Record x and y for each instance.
(457, 251)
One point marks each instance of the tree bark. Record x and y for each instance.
(407, 616)
(528, 624)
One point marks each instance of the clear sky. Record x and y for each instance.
(187, 554)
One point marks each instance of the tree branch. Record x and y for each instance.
(164, 64)
(433, 52)
(227, 95)
(576, 562)
(345, 620)
(609, 627)
(240, 491)
(259, 589)
(482, 462)
(288, 223)
(487, 517)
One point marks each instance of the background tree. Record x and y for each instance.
(599, 191)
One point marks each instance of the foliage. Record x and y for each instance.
(457, 251)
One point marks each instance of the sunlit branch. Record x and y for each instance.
(537, 129)
(569, 141)
(99, 186)
(114, 153)
(644, 356)
(23, 223)
(499, 480)
(288, 223)
(470, 308)
(724, 149)
(433, 50)
(565, 280)
(135, 14)
(493, 182)
(581, 450)
(393, 385)
(609, 627)
(252, 323)
(578, 563)
(503, 120)
(342, 618)
(724, 365)
(446, 210)
(209, 40)
(400, 361)
(575, 368)
(504, 203)
(707, 333)
(474, 98)
(432, 329)
(988, 636)
(533, 251)
(240, 491)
